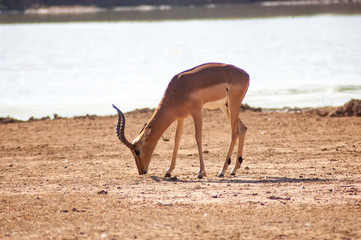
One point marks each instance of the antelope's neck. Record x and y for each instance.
(159, 123)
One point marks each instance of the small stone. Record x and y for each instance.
(103, 192)
(214, 195)
(165, 204)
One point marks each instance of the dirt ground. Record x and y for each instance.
(73, 179)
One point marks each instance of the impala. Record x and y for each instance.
(211, 85)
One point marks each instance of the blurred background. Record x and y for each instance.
(78, 57)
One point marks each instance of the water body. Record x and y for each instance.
(75, 68)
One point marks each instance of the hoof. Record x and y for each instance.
(220, 174)
(200, 174)
(167, 175)
(233, 172)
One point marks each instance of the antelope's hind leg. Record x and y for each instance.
(242, 136)
(232, 114)
(178, 135)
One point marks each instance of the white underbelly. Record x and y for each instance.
(215, 104)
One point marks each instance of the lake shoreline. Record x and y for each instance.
(351, 108)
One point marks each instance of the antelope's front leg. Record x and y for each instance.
(178, 134)
(197, 118)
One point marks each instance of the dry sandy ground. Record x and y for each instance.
(72, 179)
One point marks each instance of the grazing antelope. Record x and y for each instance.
(211, 85)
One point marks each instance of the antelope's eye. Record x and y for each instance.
(137, 152)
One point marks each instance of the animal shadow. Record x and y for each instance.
(241, 181)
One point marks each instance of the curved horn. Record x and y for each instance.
(120, 129)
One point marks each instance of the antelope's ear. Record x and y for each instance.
(147, 133)
(145, 124)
